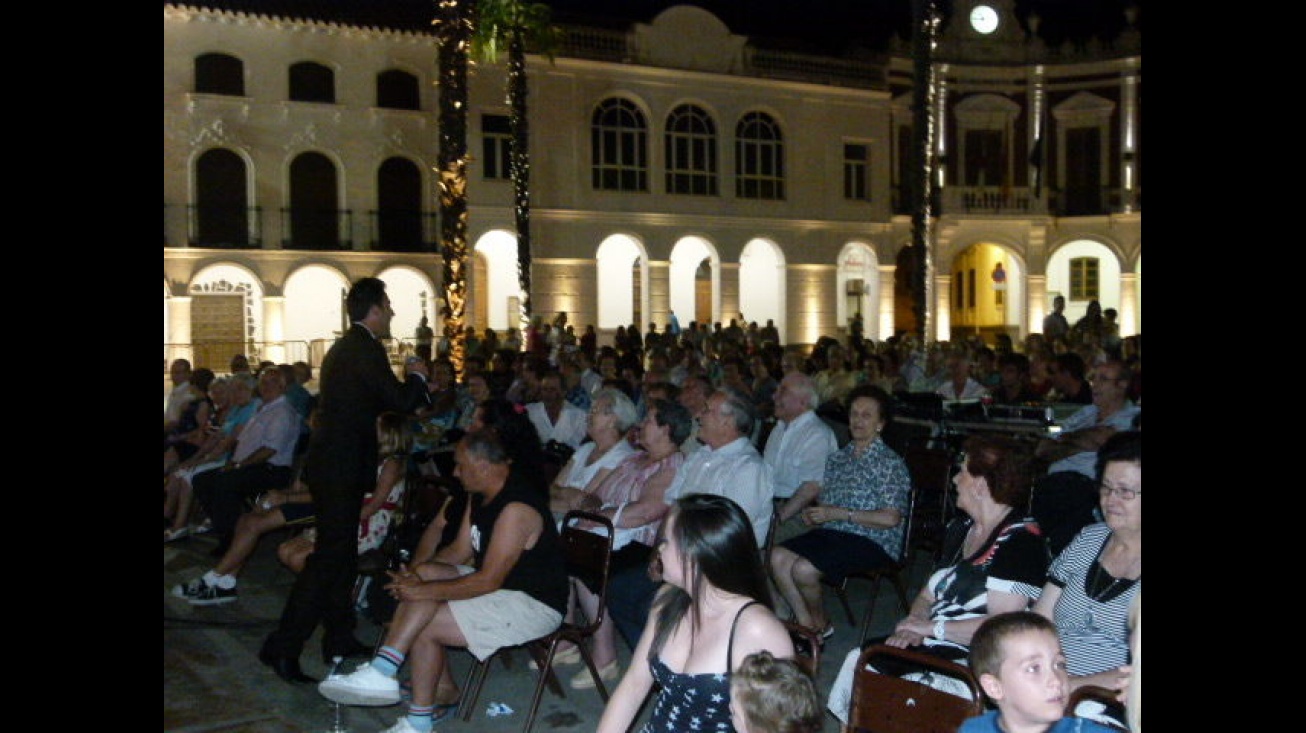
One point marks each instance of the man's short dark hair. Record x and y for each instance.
(364, 294)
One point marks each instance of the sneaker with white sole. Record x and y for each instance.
(401, 726)
(212, 595)
(609, 673)
(363, 686)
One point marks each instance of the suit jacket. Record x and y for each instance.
(356, 384)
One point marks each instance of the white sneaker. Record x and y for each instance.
(401, 726)
(583, 680)
(363, 686)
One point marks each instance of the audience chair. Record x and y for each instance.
(931, 472)
(589, 558)
(1100, 704)
(885, 703)
(807, 647)
(897, 573)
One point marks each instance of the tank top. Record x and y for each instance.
(540, 572)
(697, 702)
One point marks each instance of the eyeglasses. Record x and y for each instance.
(1127, 494)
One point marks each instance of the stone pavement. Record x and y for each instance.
(213, 681)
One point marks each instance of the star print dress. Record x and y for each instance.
(693, 702)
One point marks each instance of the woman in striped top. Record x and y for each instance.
(1093, 581)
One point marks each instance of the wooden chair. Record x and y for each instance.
(931, 470)
(885, 703)
(896, 573)
(589, 558)
(1113, 714)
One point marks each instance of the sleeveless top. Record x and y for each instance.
(697, 702)
(626, 485)
(373, 530)
(540, 572)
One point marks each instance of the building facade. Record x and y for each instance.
(675, 165)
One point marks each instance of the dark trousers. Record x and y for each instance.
(222, 493)
(323, 591)
(630, 596)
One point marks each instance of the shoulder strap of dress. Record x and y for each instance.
(730, 645)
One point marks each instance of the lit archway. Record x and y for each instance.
(616, 256)
(762, 285)
(412, 295)
(500, 288)
(857, 288)
(314, 312)
(687, 296)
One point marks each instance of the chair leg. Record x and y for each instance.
(870, 609)
(841, 590)
(472, 687)
(901, 588)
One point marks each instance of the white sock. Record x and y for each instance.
(225, 582)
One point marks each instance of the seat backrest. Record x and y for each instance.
(588, 555)
(1112, 713)
(885, 703)
(931, 479)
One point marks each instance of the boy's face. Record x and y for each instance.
(1031, 685)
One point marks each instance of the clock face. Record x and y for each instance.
(984, 19)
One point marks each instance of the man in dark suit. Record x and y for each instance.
(357, 384)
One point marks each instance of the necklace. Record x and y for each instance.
(1102, 585)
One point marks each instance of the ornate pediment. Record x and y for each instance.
(686, 37)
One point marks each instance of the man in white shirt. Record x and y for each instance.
(1066, 498)
(693, 397)
(726, 465)
(181, 394)
(796, 451)
(553, 416)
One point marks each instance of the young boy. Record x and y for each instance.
(1018, 661)
(769, 695)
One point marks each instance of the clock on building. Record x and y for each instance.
(984, 19)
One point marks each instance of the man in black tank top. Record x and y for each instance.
(516, 592)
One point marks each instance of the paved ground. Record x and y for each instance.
(213, 681)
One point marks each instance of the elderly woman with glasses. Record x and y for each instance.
(611, 415)
(1093, 581)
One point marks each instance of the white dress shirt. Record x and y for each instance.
(735, 470)
(796, 452)
(570, 428)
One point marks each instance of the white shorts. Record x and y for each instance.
(502, 618)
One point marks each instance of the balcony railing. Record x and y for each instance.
(991, 200)
(402, 231)
(213, 226)
(314, 228)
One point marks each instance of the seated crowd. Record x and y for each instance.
(741, 478)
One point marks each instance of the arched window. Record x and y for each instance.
(314, 204)
(397, 89)
(619, 147)
(759, 158)
(310, 82)
(691, 151)
(399, 207)
(218, 73)
(222, 213)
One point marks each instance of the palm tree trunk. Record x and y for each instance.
(925, 26)
(520, 166)
(454, 20)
